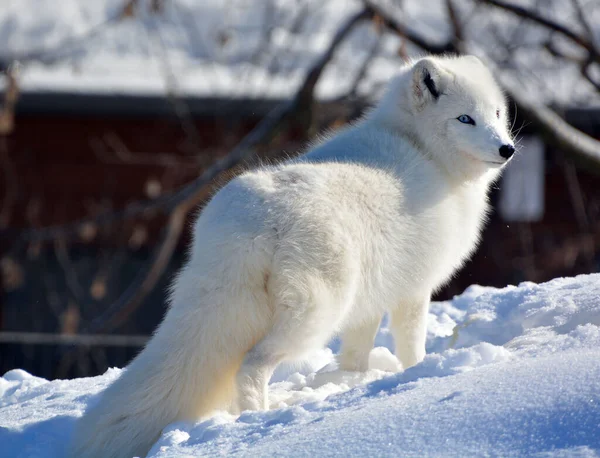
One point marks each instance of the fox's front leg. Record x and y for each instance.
(408, 324)
(357, 343)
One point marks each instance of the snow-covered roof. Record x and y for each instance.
(248, 49)
(509, 372)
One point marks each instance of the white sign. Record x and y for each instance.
(522, 188)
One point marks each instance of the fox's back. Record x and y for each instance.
(399, 226)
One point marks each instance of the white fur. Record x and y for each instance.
(370, 221)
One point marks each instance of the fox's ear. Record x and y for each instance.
(428, 82)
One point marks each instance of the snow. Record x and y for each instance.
(509, 372)
(240, 48)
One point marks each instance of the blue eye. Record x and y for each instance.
(466, 119)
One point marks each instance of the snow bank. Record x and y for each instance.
(509, 372)
(241, 48)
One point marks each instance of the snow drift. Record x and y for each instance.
(512, 371)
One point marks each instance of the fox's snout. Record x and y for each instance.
(507, 151)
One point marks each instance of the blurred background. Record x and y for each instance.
(118, 118)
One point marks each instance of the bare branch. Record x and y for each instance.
(362, 71)
(180, 203)
(556, 131)
(571, 57)
(401, 29)
(179, 105)
(585, 71)
(11, 184)
(70, 273)
(454, 20)
(133, 297)
(306, 91)
(582, 20)
(118, 153)
(584, 64)
(11, 95)
(267, 31)
(193, 192)
(548, 23)
(190, 195)
(61, 50)
(576, 195)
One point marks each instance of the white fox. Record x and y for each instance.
(371, 220)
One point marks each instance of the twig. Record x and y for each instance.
(267, 32)
(123, 155)
(314, 73)
(73, 284)
(362, 71)
(585, 71)
(401, 29)
(180, 107)
(135, 294)
(576, 195)
(12, 187)
(582, 20)
(61, 50)
(548, 23)
(244, 150)
(190, 195)
(556, 131)
(454, 20)
(584, 64)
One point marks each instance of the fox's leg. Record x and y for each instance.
(408, 324)
(302, 321)
(254, 374)
(357, 343)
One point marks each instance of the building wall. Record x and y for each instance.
(78, 160)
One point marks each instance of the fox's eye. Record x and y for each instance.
(466, 119)
(498, 114)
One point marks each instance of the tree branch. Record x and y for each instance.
(556, 131)
(59, 51)
(454, 20)
(583, 21)
(583, 63)
(548, 23)
(585, 150)
(401, 29)
(193, 191)
(315, 71)
(585, 71)
(190, 195)
(133, 296)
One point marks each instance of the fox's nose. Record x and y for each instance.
(506, 151)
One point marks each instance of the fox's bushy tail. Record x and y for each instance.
(187, 370)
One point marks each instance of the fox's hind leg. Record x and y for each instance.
(304, 319)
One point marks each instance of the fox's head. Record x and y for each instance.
(456, 110)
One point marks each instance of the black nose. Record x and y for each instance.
(506, 151)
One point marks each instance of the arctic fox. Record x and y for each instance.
(371, 220)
